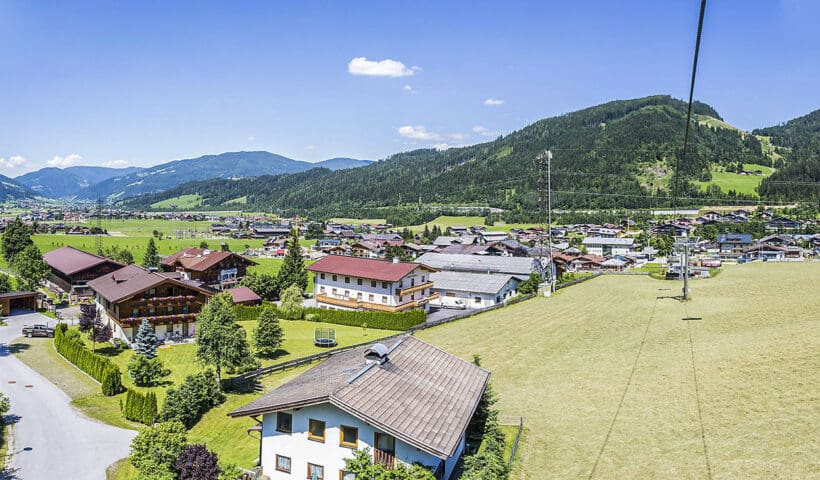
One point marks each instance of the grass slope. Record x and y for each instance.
(737, 182)
(182, 202)
(610, 386)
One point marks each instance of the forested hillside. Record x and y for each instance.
(799, 178)
(619, 154)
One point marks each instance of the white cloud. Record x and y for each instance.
(408, 89)
(62, 162)
(490, 102)
(484, 131)
(116, 164)
(444, 146)
(13, 162)
(382, 68)
(418, 132)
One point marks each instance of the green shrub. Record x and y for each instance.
(71, 347)
(312, 317)
(197, 394)
(140, 408)
(382, 320)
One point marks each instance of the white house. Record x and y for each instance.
(407, 403)
(473, 290)
(350, 283)
(604, 246)
(520, 267)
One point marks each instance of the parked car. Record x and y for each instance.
(456, 305)
(37, 331)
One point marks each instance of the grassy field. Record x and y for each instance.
(612, 383)
(737, 182)
(182, 202)
(445, 221)
(359, 221)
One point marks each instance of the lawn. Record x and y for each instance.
(611, 387)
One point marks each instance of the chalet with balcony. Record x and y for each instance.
(170, 303)
(406, 402)
(732, 245)
(350, 283)
(72, 269)
(219, 270)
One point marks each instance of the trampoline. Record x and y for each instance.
(324, 337)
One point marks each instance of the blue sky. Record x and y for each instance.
(141, 83)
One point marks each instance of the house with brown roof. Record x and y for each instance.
(244, 296)
(351, 283)
(72, 269)
(217, 269)
(406, 402)
(169, 302)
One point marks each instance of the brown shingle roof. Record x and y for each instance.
(197, 258)
(243, 294)
(70, 260)
(383, 270)
(131, 280)
(422, 395)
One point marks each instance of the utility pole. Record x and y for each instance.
(98, 236)
(549, 218)
(544, 160)
(685, 245)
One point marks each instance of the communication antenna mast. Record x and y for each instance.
(544, 160)
(98, 233)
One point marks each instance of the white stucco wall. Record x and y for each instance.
(352, 290)
(469, 298)
(329, 454)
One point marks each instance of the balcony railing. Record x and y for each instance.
(385, 458)
(165, 300)
(160, 319)
(416, 288)
(359, 304)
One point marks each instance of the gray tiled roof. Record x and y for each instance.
(519, 266)
(422, 395)
(470, 282)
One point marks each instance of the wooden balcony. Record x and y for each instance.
(417, 288)
(385, 458)
(348, 302)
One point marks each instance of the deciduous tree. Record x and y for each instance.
(220, 341)
(196, 462)
(155, 449)
(30, 268)
(15, 239)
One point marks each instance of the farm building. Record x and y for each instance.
(130, 294)
(520, 267)
(351, 283)
(407, 403)
(72, 269)
(217, 269)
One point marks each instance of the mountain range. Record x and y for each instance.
(90, 183)
(625, 153)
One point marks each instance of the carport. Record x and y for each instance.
(12, 300)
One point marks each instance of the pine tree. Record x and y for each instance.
(293, 270)
(151, 258)
(268, 336)
(145, 342)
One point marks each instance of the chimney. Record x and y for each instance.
(376, 353)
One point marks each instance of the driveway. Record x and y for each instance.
(50, 438)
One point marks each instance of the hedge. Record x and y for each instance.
(140, 408)
(381, 320)
(71, 347)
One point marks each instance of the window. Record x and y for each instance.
(322, 289)
(373, 283)
(370, 297)
(283, 463)
(401, 298)
(135, 312)
(384, 299)
(347, 293)
(152, 311)
(152, 292)
(345, 475)
(334, 291)
(316, 430)
(347, 279)
(315, 470)
(284, 422)
(348, 436)
(359, 281)
(422, 279)
(477, 299)
(170, 310)
(322, 276)
(384, 284)
(335, 278)
(169, 328)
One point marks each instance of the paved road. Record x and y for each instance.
(50, 438)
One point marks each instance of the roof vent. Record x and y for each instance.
(376, 353)
(395, 259)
